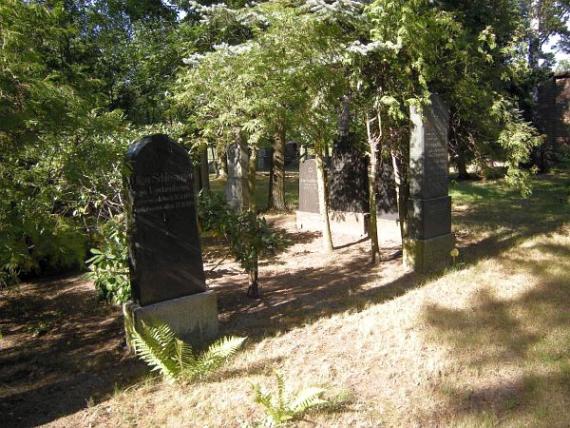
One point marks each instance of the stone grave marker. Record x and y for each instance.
(430, 240)
(348, 223)
(308, 192)
(165, 258)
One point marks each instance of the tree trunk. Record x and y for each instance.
(251, 179)
(277, 200)
(270, 189)
(402, 188)
(215, 163)
(372, 222)
(204, 170)
(323, 202)
(253, 288)
(461, 167)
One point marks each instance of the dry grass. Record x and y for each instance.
(484, 344)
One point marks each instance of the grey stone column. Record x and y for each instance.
(430, 239)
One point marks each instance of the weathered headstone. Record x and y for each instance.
(264, 159)
(430, 240)
(349, 223)
(165, 258)
(308, 192)
(237, 191)
(387, 216)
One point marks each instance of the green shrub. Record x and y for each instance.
(108, 267)
(248, 236)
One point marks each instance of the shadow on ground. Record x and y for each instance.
(66, 351)
(518, 346)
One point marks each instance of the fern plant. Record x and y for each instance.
(281, 408)
(159, 347)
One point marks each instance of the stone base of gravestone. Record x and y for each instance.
(428, 255)
(430, 240)
(389, 232)
(194, 319)
(342, 223)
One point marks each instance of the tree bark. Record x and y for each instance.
(253, 288)
(402, 187)
(204, 170)
(251, 175)
(323, 203)
(277, 179)
(373, 142)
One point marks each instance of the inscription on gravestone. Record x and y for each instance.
(165, 257)
(308, 191)
(430, 239)
(430, 204)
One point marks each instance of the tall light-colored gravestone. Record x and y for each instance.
(165, 257)
(429, 239)
(237, 191)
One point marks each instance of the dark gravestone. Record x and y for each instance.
(237, 190)
(264, 159)
(430, 238)
(308, 192)
(348, 181)
(164, 247)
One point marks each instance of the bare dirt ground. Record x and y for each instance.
(485, 344)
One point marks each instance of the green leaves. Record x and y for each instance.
(108, 267)
(158, 346)
(280, 408)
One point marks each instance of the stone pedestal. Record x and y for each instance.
(389, 231)
(342, 223)
(429, 211)
(428, 255)
(194, 318)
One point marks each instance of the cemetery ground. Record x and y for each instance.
(485, 343)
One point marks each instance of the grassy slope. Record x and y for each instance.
(485, 344)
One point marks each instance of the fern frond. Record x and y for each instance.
(217, 353)
(306, 399)
(149, 344)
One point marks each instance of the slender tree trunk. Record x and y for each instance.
(215, 162)
(373, 222)
(323, 202)
(253, 289)
(402, 188)
(251, 174)
(270, 189)
(461, 167)
(204, 170)
(277, 200)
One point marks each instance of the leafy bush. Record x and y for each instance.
(281, 409)
(108, 268)
(248, 236)
(159, 347)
